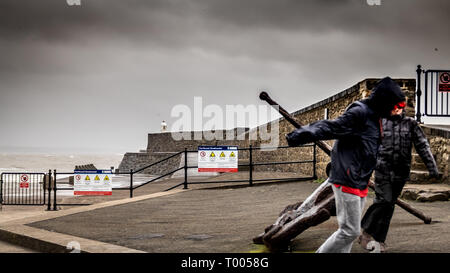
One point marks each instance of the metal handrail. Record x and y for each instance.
(185, 166)
(145, 183)
(262, 148)
(266, 163)
(251, 164)
(153, 164)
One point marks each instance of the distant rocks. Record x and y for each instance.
(87, 167)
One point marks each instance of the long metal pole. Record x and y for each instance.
(327, 149)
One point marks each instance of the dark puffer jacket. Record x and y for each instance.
(394, 156)
(357, 131)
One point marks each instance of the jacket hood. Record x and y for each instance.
(385, 95)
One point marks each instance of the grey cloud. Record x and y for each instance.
(53, 19)
(142, 57)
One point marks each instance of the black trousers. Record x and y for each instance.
(378, 216)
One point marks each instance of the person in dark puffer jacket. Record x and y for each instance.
(392, 172)
(353, 157)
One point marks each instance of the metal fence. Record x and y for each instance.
(251, 165)
(23, 188)
(35, 189)
(434, 100)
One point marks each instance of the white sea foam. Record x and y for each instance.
(60, 162)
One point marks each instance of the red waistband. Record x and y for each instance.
(358, 192)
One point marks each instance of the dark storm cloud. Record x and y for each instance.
(142, 57)
(156, 19)
(282, 30)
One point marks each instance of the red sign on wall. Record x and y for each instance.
(24, 181)
(444, 82)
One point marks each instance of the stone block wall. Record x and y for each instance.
(164, 142)
(439, 140)
(136, 161)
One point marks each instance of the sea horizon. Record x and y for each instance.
(62, 162)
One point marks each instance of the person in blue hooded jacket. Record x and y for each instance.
(353, 157)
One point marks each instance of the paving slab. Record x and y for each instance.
(17, 232)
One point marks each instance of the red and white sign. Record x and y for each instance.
(24, 181)
(444, 82)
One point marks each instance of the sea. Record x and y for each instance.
(42, 162)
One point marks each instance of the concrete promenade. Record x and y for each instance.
(205, 218)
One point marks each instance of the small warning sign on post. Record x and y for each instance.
(225, 161)
(95, 182)
(444, 82)
(24, 181)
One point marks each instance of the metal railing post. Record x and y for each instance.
(49, 180)
(131, 183)
(251, 166)
(54, 191)
(185, 170)
(419, 92)
(314, 162)
(1, 191)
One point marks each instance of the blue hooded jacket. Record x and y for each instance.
(357, 133)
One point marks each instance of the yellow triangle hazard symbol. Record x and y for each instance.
(87, 177)
(106, 178)
(212, 155)
(222, 154)
(97, 178)
(232, 154)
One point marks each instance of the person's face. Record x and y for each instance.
(397, 111)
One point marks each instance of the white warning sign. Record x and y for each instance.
(217, 158)
(95, 182)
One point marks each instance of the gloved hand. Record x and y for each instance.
(299, 137)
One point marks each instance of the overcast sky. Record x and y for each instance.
(101, 76)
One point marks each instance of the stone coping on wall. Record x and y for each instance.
(354, 88)
(437, 130)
